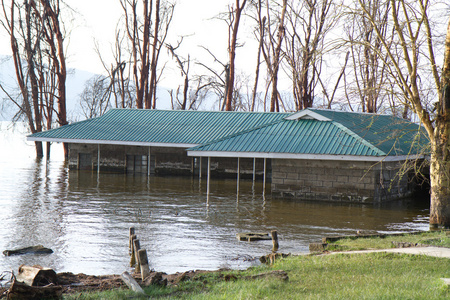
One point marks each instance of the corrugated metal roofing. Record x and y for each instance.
(392, 135)
(348, 134)
(159, 126)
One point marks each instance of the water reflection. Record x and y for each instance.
(84, 217)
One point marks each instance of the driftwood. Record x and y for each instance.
(253, 236)
(39, 249)
(21, 291)
(34, 282)
(132, 283)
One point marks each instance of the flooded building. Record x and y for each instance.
(312, 154)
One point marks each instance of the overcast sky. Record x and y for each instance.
(96, 20)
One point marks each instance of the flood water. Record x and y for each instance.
(85, 218)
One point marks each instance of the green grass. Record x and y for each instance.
(432, 238)
(340, 276)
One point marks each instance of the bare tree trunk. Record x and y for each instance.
(234, 27)
(440, 156)
(274, 103)
(149, 101)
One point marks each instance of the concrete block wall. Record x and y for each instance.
(340, 181)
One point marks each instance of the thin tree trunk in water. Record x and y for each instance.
(440, 146)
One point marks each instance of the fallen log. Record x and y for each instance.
(39, 249)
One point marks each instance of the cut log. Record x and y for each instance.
(36, 276)
(39, 249)
(132, 283)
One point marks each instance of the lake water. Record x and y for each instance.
(85, 218)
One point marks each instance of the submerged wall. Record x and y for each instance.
(163, 161)
(339, 181)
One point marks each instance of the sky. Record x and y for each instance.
(94, 21)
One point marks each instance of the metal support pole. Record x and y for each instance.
(254, 170)
(200, 168)
(238, 174)
(98, 158)
(208, 179)
(264, 177)
(149, 161)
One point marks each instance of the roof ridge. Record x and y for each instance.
(202, 111)
(359, 138)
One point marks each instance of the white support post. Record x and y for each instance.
(238, 175)
(200, 168)
(149, 161)
(254, 170)
(264, 177)
(98, 158)
(208, 179)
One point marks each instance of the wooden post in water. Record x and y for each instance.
(143, 260)
(274, 240)
(133, 255)
(137, 247)
(132, 231)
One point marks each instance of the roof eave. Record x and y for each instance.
(301, 156)
(110, 142)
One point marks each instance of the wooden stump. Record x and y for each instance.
(274, 240)
(133, 255)
(143, 260)
(136, 248)
(36, 276)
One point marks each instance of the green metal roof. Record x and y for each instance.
(337, 133)
(155, 127)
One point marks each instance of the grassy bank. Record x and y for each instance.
(361, 276)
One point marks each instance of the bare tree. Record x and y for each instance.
(36, 38)
(272, 51)
(233, 27)
(308, 22)
(413, 38)
(95, 98)
(369, 71)
(145, 45)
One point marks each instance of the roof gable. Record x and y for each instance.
(323, 132)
